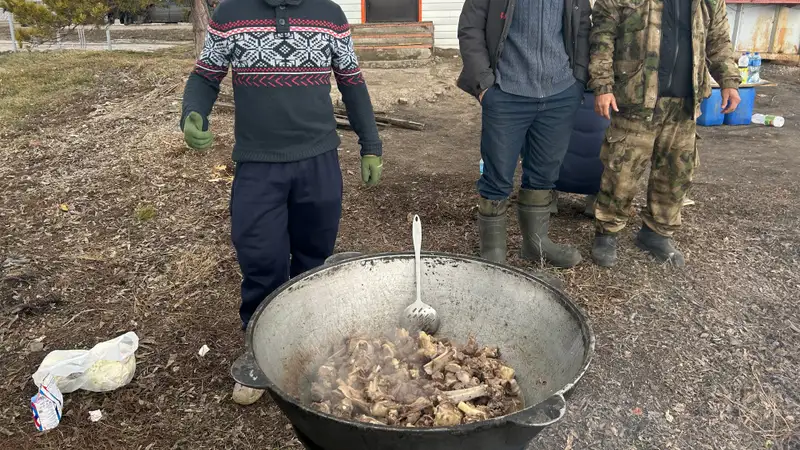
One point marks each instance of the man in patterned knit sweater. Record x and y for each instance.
(286, 199)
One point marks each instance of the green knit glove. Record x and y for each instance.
(193, 132)
(371, 168)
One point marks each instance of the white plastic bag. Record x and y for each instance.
(107, 366)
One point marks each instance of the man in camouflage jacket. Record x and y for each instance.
(651, 63)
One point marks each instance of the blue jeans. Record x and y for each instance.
(284, 221)
(539, 129)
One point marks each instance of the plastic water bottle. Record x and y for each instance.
(768, 120)
(755, 68)
(481, 166)
(744, 67)
(758, 67)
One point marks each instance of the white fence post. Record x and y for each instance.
(13, 33)
(81, 37)
(108, 36)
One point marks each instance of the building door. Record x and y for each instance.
(392, 10)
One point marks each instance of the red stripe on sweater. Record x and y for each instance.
(271, 22)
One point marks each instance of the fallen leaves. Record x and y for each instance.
(221, 173)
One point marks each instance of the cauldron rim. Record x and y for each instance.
(565, 301)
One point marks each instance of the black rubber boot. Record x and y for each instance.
(492, 228)
(534, 221)
(604, 250)
(660, 247)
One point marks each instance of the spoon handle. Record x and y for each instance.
(417, 236)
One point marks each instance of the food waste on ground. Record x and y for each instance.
(415, 381)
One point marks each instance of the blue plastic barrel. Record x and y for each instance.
(744, 113)
(711, 110)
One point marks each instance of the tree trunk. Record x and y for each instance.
(200, 17)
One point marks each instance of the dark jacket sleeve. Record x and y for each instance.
(582, 46)
(478, 74)
(355, 95)
(211, 67)
(719, 49)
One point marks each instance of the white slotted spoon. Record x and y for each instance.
(419, 316)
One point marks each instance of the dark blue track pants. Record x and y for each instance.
(539, 129)
(284, 221)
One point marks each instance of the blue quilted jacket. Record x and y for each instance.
(582, 169)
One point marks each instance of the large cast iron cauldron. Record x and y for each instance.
(540, 332)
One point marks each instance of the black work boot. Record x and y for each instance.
(660, 247)
(604, 250)
(492, 228)
(534, 221)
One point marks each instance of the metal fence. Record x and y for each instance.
(10, 18)
(81, 32)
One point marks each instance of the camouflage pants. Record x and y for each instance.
(668, 143)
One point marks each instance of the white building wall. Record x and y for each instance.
(444, 15)
(352, 9)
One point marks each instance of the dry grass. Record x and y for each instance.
(38, 81)
(145, 212)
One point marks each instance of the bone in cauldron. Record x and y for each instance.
(415, 382)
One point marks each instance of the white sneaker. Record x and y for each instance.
(245, 396)
(688, 202)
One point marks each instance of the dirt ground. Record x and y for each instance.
(701, 358)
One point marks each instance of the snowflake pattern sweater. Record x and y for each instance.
(281, 54)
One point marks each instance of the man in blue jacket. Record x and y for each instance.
(526, 62)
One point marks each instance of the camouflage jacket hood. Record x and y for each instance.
(625, 45)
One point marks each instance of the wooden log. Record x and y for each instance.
(401, 123)
(382, 118)
(343, 123)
